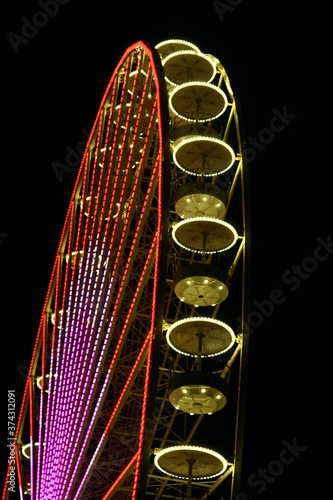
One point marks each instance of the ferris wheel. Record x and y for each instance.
(129, 392)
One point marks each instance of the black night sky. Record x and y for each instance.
(54, 77)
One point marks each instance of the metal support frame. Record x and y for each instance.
(100, 355)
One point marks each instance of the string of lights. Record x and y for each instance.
(133, 314)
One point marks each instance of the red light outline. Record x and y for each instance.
(32, 441)
(115, 264)
(119, 478)
(56, 267)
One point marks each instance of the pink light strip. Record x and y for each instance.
(53, 424)
(48, 410)
(32, 451)
(56, 382)
(53, 394)
(68, 339)
(99, 363)
(58, 251)
(142, 351)
(62, 413)
(87, 300)
(132, 305)
(103, 244)
(25, 393)
(18, 473)
(41, 406)
(116, 351)
(145, 395)
(148, 363)
(64, 342)
(47, 458)
(119, 343)
(105, 193)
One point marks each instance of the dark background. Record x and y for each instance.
(275, 53)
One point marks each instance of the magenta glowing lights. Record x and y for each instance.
(96, 291)
(127, 268)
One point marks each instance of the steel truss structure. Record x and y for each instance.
(129, 393)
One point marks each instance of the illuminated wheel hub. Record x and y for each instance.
(170, 46)
(207, 336)
(202, 285)
(198, 392)
(188, 66)
(190, 461)
(200, 155)
(198, 102)
(204, 235)
(201, 200)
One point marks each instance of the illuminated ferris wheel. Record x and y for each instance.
(129, 392)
